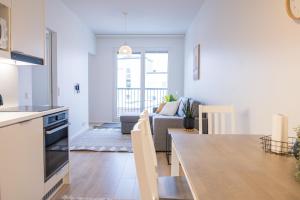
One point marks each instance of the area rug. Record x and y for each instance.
(65, 197)
(102, 140)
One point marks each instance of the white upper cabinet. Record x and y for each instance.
(6, 2)
(28, 27)
(5, 6)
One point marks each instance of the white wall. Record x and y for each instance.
(25, 85)
(249, 58)
(74, 42)
(9, 84)
(103, 69)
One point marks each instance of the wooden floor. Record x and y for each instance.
(97, 175)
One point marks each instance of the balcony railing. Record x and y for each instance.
(133, 100)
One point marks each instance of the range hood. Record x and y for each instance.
(23, 59)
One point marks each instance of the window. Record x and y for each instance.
(142, 81)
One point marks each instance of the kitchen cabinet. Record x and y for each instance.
(6, 2)
(5, 6)
(28, 27)
(22, 161)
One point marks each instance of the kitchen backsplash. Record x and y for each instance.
(9, 84)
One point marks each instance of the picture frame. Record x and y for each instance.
(196, 67)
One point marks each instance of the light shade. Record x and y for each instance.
(125, 50)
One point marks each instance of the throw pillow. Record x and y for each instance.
(183, 101)
(160, 107)
(170, 108)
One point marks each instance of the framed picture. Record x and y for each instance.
(196, 69)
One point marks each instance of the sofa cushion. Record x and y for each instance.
(160, 107)
(183, 101)
(170, 108)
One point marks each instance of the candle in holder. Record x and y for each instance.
(279, 134)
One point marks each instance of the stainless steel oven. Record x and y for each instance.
(56, 134)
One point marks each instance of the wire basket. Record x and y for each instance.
(278, 147)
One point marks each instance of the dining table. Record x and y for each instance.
(233, 167)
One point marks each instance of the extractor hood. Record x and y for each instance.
(21, 59)
(26, 59)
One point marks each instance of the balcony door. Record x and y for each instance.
(142, 81)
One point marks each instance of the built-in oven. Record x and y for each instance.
(56, 142)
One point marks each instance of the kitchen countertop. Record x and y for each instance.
(9, 118)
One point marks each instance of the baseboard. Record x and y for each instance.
(82, 130)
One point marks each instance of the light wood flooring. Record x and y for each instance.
(99, 176)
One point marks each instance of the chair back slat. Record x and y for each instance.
(216, 123)
(216, 116)
(223, 122)
(210, 123)
(233, 130)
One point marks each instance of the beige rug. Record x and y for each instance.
(102, 140)
(81, 198)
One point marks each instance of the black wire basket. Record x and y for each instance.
(278, 147)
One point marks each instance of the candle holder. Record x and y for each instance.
(278, 147)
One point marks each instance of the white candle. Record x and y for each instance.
(279, 133)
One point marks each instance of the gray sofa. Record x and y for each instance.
(161, 123)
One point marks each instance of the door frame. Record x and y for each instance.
(52, 61)
(143, 51)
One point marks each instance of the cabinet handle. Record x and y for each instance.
(56, 129)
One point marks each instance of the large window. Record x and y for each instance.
(142, 81)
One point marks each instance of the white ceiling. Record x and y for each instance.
(144, 16)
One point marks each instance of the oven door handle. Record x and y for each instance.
(57, 129)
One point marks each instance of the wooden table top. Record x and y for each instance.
(235, 167)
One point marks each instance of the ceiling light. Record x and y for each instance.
(125, 49)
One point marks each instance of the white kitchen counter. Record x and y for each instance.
(9, 118)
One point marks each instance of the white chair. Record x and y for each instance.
(151, 186)
(216, 116)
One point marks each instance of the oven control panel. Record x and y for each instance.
(55, 118)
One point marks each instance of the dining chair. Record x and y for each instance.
(221, 119)
(151, 186)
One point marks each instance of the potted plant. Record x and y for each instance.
(189, 120)
(170, 98)
(296, 151)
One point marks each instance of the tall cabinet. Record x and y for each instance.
(28, 27)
